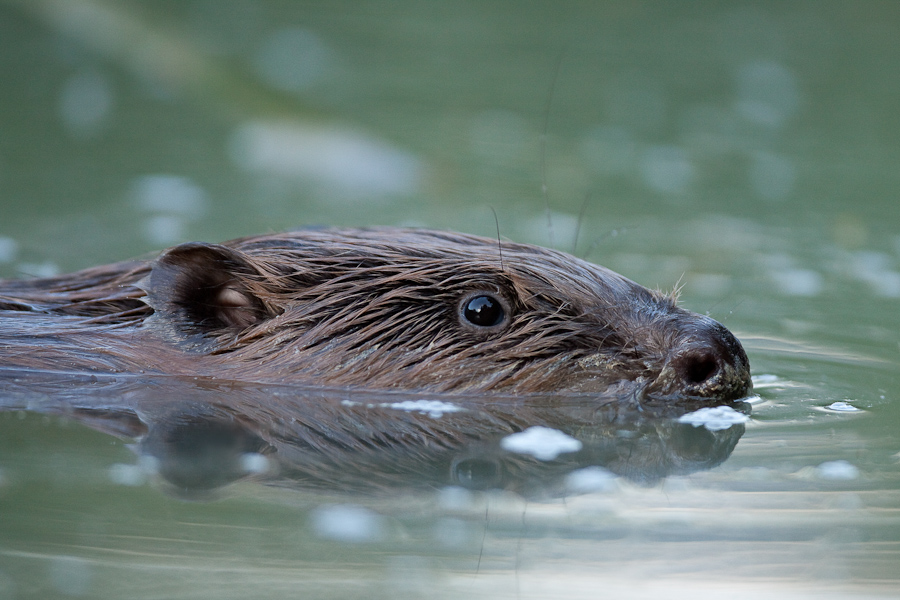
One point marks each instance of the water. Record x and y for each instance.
(744, 153)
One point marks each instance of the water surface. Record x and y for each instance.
(744, 152)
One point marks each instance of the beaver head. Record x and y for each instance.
(415, 309)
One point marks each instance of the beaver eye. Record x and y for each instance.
(483, 311)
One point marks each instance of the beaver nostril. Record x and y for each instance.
(710, 363)
(699, 367)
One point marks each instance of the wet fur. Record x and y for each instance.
(375, 308)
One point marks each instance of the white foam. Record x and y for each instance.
(543, 443)
(347, 523)
(716, 418)
(128, 475)
(591, 479)
(842, 407)
(255, 463)
(433, 408)
(837, 470)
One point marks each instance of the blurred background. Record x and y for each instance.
(128, 126)
(745, 150)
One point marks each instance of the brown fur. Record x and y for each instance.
(199, 432)
(373, 308)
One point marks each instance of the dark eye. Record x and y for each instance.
(483, 311)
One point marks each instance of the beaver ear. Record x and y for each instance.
(201, 289)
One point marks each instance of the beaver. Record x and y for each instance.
(377, 308)
(196, 436)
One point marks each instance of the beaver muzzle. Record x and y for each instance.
(711, 363)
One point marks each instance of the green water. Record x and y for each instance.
(745, 151)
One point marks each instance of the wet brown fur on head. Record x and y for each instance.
(378, 308)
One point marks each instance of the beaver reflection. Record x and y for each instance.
(196, 454)
(202, 438)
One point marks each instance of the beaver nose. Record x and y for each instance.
(711, 363)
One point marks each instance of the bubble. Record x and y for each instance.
(255, 463)
(837, 470)
(433, 408)
(543, 443)
(85, 103)
(666, 169)
(716, 418)
(591, 479)
(128, 475)
(292, 59)
(771, 176)
(347, 523)
(842, 407)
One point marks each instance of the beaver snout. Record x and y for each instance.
(710, 364)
